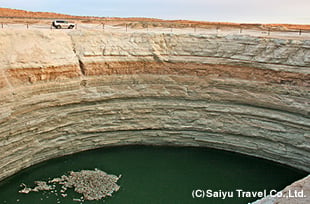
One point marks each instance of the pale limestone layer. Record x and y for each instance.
(298, 192)
(35, 49)
(275, 54)
(238, 93)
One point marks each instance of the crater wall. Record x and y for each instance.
(64, 92)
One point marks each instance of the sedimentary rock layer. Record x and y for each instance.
(298, 192)
(65, 92)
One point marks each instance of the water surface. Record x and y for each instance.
(156, 175)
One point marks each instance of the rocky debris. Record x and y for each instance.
(77, 200)
(64, 195)
(41, 186)
(93, 184)
(25, 189)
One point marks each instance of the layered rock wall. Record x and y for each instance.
(65, 92)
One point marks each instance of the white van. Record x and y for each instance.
(58, 24)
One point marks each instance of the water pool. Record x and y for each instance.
(156, 175)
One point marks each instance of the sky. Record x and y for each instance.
(245, 11)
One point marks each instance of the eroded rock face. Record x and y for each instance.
(298, 192)
(64, 92)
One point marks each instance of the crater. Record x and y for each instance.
(216, 91)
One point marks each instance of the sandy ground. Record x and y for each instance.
(20, 19)
(194, 30)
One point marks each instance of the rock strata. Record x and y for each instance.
(298, 192)
(65, 92)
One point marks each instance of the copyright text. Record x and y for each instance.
(240, 193)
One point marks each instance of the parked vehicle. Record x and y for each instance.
(59, 24)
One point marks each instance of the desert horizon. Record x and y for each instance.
(239, 11)
(11, 15)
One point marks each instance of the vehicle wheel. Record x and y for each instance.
(70, 27)
(58, 27)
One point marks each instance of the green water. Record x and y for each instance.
(156, 175)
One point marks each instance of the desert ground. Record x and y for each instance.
(20, 19)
